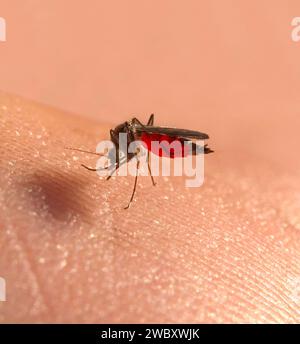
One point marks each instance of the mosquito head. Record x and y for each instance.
(121, 128)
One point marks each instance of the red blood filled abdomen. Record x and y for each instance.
(176, 150)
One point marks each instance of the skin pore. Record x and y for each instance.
(226, 252)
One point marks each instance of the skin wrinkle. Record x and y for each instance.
(197, 255)
(27, 268)
(32, 272)
(253, 289)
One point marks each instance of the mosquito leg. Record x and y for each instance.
(115, 140)
(137, 121)
(94, 169)
(119, 164)
(135, 182)
(149, 169)
(114, 170)
(103, 168)
(85, 151)
(151, 119)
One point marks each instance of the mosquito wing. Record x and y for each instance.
(173, 132)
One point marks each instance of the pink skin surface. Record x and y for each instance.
(225, 252)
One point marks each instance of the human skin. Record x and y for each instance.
(228, 251)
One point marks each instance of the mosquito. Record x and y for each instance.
(147, 133)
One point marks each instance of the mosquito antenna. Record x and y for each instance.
(84, 151)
